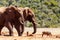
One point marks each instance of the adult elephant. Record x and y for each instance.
(28, 15)
(11, 16)
(2, 18)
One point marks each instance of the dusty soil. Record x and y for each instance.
(38, 36)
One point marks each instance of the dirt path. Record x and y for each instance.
(37, 36)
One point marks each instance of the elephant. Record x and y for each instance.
(28, 15)
(11, 16)
(2, 18)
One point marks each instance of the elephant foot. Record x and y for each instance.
(11, 35)
(20, 35)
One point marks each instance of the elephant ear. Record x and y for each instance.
(24, 11)
(12, 8)
(27, 10)
(15, 11)
(30, 11)
(6, 10)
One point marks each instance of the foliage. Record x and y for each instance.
(47, 12)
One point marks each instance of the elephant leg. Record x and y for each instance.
(21, 19)
(22, 28)
(9, 28)
(34, 25)
(1, 29)
(18, 29)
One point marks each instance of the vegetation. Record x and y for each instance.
(47, 12)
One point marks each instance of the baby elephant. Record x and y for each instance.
(46, 33)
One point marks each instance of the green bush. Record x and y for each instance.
(47, 12)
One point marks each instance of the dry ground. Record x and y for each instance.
(55, 32)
